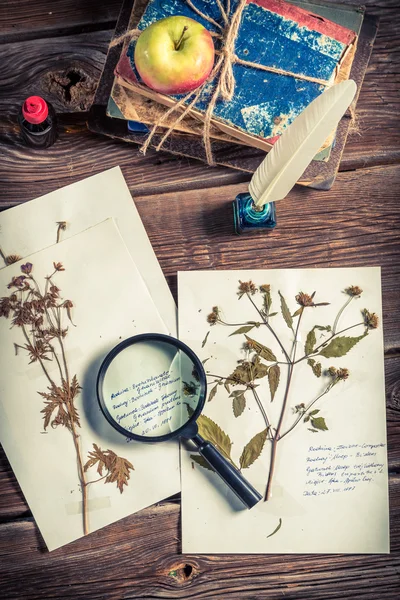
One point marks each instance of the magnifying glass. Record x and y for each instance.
(152, 388)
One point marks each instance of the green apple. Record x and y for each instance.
(174, 55)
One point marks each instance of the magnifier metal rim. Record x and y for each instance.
(151, 337)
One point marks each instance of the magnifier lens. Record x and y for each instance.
(151, 388)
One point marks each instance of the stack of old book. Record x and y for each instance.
(307, 45)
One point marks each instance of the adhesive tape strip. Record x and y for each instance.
(75, 508)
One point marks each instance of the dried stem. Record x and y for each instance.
(299, 418)
(341, 312)
(269, 327)
(276, 437)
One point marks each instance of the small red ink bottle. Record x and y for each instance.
(38, 122)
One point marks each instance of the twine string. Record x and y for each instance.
(223, 73)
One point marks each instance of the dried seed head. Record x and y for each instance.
(58, 266)
(12, 258)
(332, 371)
(304, 299)
(353, 290)
(342, 374)
(246, 287)
(371, 320)
(213, 317)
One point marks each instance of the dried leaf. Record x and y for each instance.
(319, 423)
(340, 346)
(273, 314)
(226, 386)
(298, 312)
(286, 312)
(203, 362)
(59, 397)
(310, 342)
(316, 367)
(243, 329)
(238, 405)
(276, 529)
(199, 460)
(237, 393)
(212, 393)
(306, 418)
(241, 374)
(314, 412)
(117, 468)
(323, 327)
(253, 449)
(119, 472)
(267, 301)
(213, 433)
(205, 340)
(259, 370)
(261, 350)
(274, 374)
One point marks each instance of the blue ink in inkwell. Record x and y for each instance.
(247, 216)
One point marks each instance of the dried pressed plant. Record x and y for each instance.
(40, 314)
(322, 342)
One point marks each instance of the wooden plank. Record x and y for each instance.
(139, 557)
(21, 19)
(51, 66)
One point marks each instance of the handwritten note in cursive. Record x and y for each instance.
(147, 407)
(342, 468)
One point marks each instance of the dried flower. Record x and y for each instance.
(338, 374)
(213, 317)
(17, 282)
(58, 266)
(265, 288)
(27, 268)
(306, 300)
(68, 304)
(246, 287)
(353, 290)
(12, 258)
(299, 408)
(370, 319)
(342, 374)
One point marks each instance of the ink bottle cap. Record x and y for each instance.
(35, 110)
(38, 122)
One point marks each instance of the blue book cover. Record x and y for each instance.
(274, 34)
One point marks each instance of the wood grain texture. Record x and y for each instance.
(139, 557)
(186, 209)
(28, 68)
(21, 20)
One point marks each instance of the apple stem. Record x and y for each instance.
(179, 42)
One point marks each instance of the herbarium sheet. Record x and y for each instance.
(44, 221)
(61, 311)
(294, 363)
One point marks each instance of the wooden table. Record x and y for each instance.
(58, 49)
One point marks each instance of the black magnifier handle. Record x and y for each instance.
(232, 477)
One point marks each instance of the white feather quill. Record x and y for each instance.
(299, 143)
